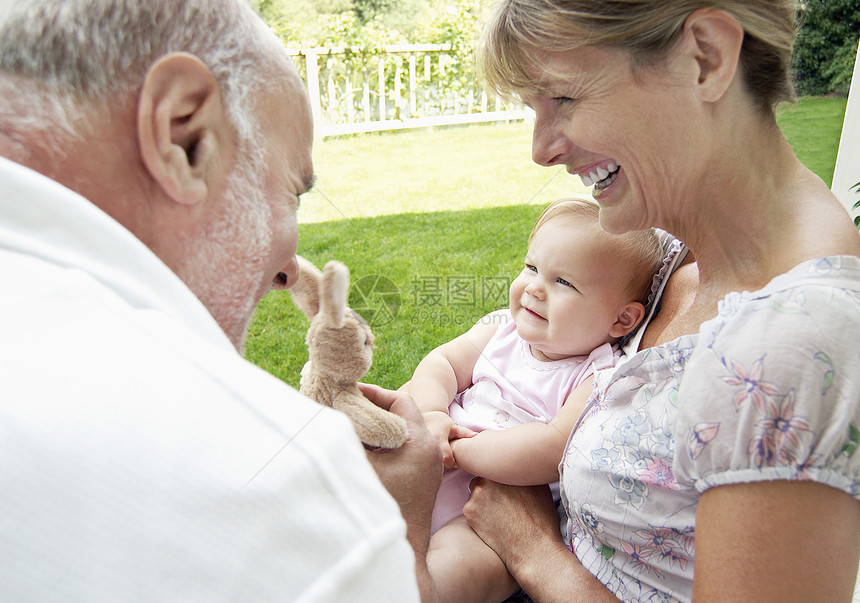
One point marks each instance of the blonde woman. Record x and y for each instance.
(719, 460)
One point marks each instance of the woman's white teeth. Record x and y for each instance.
(599, 186)
(601, 176)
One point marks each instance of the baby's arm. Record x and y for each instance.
(525, 455)
(443, 373)
(447, 370)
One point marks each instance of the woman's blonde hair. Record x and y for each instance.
(647, 29)
(639, 250)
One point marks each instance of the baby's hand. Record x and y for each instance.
(443, 429)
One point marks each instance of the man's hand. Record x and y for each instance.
(444, 430)
(412, 474)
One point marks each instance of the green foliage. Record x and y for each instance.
(457, 23)
(314, 23)
(368, 9)
(397, 16)
(300, 23)
(826, 45)
(346, 30)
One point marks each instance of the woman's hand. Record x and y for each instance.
(512, 519)
(521, 525)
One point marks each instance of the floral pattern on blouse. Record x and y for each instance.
(768, 389)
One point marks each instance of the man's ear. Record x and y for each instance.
(714, 39)
(180, 124)
(628, 318)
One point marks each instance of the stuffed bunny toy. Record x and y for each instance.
(340, 350)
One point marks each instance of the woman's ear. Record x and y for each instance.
(714, 39)
(628, 318)
(181, 122)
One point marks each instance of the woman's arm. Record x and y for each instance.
(525, 455)
(776, 541)
(520, 524)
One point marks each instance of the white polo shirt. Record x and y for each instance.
(141, 458)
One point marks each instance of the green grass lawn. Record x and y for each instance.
(813, 127)
(451, 168)
(436, 222)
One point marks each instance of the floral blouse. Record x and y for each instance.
(769, 389)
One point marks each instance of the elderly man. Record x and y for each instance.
(152, 155)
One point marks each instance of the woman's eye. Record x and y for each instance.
(562, 100)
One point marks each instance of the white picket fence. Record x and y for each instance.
(406, 86)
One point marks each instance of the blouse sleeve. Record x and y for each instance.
(772, 391)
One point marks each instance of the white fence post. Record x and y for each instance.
(365, 99)
(313, 83)
(413, 84)
(381, 70)
(847, 171)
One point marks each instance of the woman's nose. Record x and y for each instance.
(550, 145)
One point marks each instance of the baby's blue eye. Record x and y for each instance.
(531, 268)
(564, 282)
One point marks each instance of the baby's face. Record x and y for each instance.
(571, 289)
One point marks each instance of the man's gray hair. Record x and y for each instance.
(61, 57)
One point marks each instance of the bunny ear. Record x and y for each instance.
(335, 284)
(306, 291)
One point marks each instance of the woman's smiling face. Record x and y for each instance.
(626, 132)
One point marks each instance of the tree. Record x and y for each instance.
(826, 46)
(456, 22)
(341, 22)
(365, 10)
(301, 23)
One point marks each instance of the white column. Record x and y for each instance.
(313, 75)
(847, 172)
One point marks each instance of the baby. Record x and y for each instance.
(520, 378)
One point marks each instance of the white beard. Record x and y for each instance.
(225, 259)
